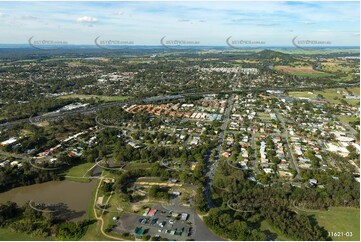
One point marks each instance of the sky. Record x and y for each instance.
(201, 23)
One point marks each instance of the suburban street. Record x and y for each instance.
(285, 135)
(213, 165)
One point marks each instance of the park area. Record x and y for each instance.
(339, 219)
(336, 219)
(302, 71)
(345, 220)
(8, 234)
(332, 95)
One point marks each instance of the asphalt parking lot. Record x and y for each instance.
(198, 230)
(162, 224)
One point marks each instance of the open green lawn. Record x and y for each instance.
(312, 75)
(135, 166)
(274, 232)
(7, 234)
(339, 219)
(348, 119)
(353, 102)
(79, 171)
(93, 232)
(150, 179)
(101, 98)
(329, 95)
(302, 71)
(313, 51)
(354, 90)
(302, 94)
(265, 116)
(336, 219)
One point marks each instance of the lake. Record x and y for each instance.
(73, 197)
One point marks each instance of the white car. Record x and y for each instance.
(171, 221)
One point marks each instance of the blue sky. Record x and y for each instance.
(209, 23)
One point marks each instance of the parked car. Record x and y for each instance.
(154, 220)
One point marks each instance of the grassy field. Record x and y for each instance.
(266, 226)
(302, 94)
(336, 219)
(312, 75)
(302, 71)
(79, 171)
(348, 119)
(150, 179)
(313, 51)
(354, 102)
(336, 67)
(264, 116)
(93, 232)
(7, 234)
(135, 166)
(339, 219)
(100, 98)
(329, 94)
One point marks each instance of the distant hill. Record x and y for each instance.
(271, 54)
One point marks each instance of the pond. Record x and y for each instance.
(72, 198)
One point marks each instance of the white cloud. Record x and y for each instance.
(87, 19)
(183, 20)
(3, 15)
(119, 13)
(308, 22)
(28, 17)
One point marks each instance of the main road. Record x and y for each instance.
(55, 116)
(86, 110)
(213, 166)
(285, 134)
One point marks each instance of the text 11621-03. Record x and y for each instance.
(340, 234)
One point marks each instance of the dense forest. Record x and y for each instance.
(37, 223)
(243, 202)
